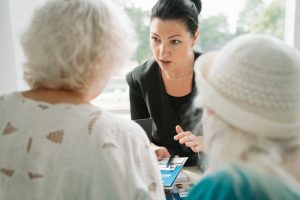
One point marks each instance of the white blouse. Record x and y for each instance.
(73, 152)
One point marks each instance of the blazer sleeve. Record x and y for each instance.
(138, 107)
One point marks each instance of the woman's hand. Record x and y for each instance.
(161, 152)
(188, 139)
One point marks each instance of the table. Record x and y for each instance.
(194, 174)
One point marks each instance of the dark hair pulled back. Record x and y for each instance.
(186, 11)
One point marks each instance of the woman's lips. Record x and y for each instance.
(164, 62)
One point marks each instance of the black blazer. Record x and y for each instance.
(149, 99)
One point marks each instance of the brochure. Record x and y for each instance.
(170, 173)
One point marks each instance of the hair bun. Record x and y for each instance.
(198, 5)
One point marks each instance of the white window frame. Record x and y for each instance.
(292, 23)
(13, 12)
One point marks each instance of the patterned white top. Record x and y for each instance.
(73, 152)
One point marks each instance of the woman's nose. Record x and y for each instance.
(164, 49)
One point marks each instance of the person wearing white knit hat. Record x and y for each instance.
(250, 94)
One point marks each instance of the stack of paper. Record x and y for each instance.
(175, 162)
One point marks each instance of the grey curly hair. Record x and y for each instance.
(70, 43)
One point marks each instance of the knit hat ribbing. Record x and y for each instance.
(253, 83)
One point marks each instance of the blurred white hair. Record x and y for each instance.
(70, 43)
(251, 97)
(264, 160)
(243, 124)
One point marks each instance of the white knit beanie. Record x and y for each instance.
(253, 83)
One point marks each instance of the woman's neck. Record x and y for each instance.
(178, 77)
(179, 82)
(55, 96)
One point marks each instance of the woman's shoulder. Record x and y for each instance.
(144, 70)
(9, 102)
(237, 184)
(119, 127)
(10, 98)
(214, 186)
(223, 185)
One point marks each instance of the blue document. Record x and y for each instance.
(170, 174)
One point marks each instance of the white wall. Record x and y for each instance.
(8, 78)
(292, 23)
(14, 16)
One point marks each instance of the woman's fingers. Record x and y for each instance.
(181, 135)
(194, 145)
(178, 129)
(185, 137)
(192, 141)
(162, 153)
(188, 139)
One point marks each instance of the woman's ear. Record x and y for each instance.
(195, 36)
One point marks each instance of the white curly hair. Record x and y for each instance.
(70, 43)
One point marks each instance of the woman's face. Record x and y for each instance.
(171, 43)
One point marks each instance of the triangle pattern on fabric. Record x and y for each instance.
(95, 117)
(8, 172)
(9, 129)
(43, 107)
(152, 187)
(29, 145)
(56, 136)
(34, 176)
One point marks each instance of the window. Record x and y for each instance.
(219, 22)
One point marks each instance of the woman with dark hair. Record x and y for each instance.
(56, 145)
(163, 87)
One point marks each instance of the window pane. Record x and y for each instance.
(219, 22)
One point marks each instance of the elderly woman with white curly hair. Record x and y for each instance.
(54, 144)
(250, 91)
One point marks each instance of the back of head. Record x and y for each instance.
(253, 88)
(69, 43)
(262, 75)
(258, 77)
(186, 11)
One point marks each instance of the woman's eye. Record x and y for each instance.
(175, 41)
(155, 39)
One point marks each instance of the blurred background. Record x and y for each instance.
(220, 21)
